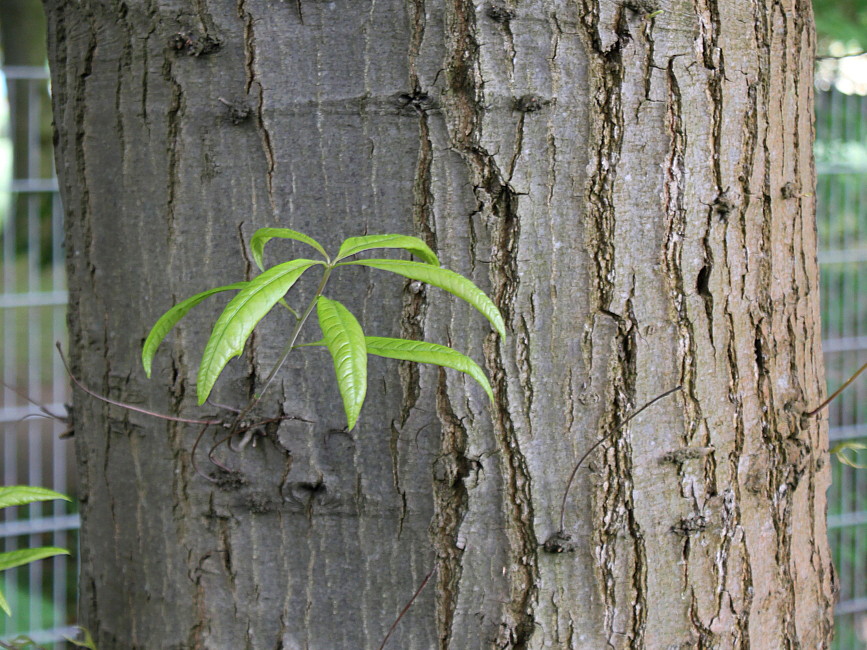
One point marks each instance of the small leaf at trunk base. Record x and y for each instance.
(12, 559)
(20, 495)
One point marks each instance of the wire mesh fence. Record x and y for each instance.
(32, 312)
(841, 157)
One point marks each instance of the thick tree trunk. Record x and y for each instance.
(630, 181)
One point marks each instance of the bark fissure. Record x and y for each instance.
(451, 501)
(465, 107)
(173, 132)
(676, 213)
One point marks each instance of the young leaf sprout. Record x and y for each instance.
(342, 334)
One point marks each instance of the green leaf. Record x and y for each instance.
(422, 352)
(21, 495)
(264, 235)
(12, 559)
(345, 341)
(5, 605)
(168, 320)
(452, 282)
(241, 315)
(414, 245)
(88, 641)
(841, 448)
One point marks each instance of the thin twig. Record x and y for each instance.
(221, 441)
(41, 407)
(251, 430)
(193, 455)
(837, 57)
(599, 442)
(407, 606)
(129, 406)
(222, 406)
(293, 337)
(836, 392)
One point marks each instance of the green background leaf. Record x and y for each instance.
(168, 320)
(20, 495)
(423, 352)
(88, 641)
(840, 449)
(452, 282)
(12, 559)
(264, 235)
(414, 245)
(241, 315)
(345, 341)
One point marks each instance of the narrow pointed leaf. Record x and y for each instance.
(87, 642)
(414, 245)
(264, 235)
(452, 282)
(20, 495)
(241, 315)
(422, 352)
(4, 605)
(841, 448)
(168, 320)
(345, 341)
(12, 559)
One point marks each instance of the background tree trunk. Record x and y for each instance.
(630, 181)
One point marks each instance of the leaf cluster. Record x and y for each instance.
(21, 495)
(341, 332)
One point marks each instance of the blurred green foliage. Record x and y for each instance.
(841, 20)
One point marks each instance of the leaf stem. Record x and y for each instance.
(290, 345)
(836, 392)
(599, 442)
(407, 606)
(129, 407)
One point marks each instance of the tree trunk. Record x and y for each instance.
(631, 182)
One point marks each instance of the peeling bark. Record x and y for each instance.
(628, 180)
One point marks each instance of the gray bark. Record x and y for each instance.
(632, 188)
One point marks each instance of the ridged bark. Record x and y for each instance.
(631, 182)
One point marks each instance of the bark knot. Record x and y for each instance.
(238, 110)
(192, 43)
(559, 542)
(500, 13)
(530, 103)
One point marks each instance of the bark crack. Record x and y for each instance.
(464, 106)
(450, 495)
(251, 79)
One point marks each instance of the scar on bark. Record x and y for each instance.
(192, 43)
(239, 110)
(500, 13)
